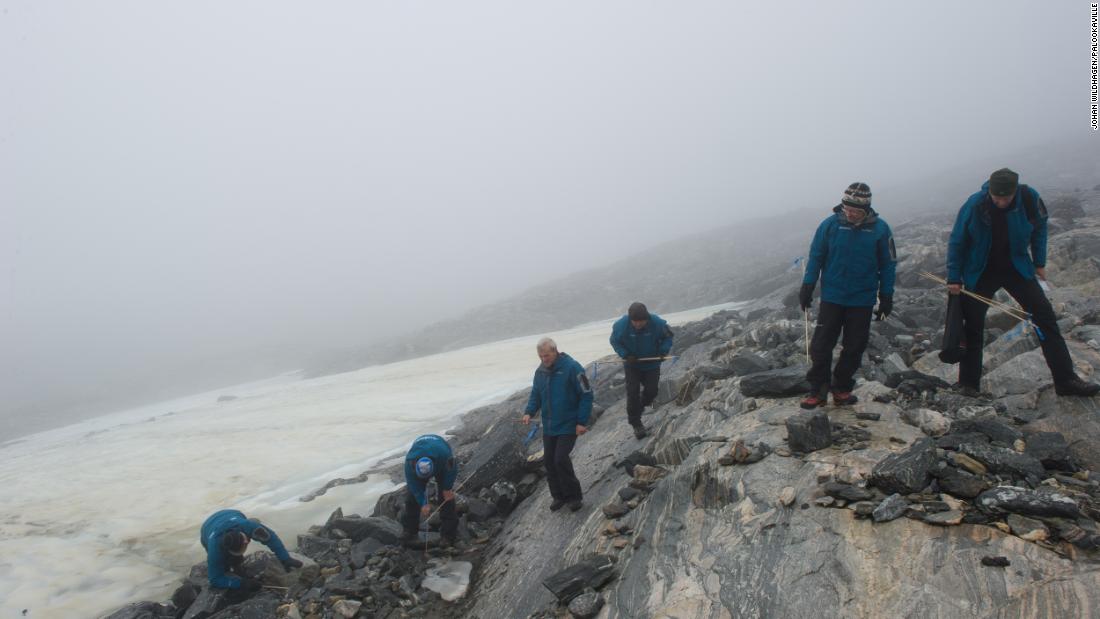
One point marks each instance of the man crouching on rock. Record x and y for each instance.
(853, 253)
(561, 394)
(430, 456)
(225, 536)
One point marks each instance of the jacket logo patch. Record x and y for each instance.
(893, 250)
(585, 386)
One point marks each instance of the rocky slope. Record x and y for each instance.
(917, 501)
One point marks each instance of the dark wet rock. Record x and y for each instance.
(140, 610)
(745, 362)
(1005, 461)
(905, 472)
(390, 504)
(1013, 499)
(992, 428)
(208, 602)
(363, 551)
(504, 496)
(586, 605)
(809, 431)
(953, 440)
(357, 586)
(1051, 449)
(615, 510)
(868, 416)
(593, 572)
(628, 493)
(996, 561)
(957, 482)
(776, 383)
(321, 549)
(863, 509)
(185, 595)
(847, 492)
(916, 380)
(527, 485)
(498, 456)
(1027, 528)
(478, 510)
(635, 458)
(261, 606)
(385, 530)
(891, 508)
(946, 518)
(1077, 419)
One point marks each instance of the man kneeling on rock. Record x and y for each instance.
(561, 394)
(430, 457)
(1000, 241)
(641, 339)
(853, 253)
(225, 536)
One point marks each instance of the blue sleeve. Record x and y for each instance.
(819, 249)
(534, 401)
(415, 484)
(273, 542)
(616, 339)
(957, 244)
(664, 344)
(888, 263)
(215, 566)
(1039, 233)
(450, 474)
(584, 389)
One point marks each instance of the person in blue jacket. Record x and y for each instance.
(1000, 241)
(640, 335)
(225, 536)
(430, 456)
(853, 253)
(561, 394)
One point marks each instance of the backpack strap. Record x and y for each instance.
(1035, 209)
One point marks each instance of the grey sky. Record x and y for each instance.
(183, 182)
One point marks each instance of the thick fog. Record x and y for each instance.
(198, 190)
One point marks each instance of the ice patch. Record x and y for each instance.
(449, 579)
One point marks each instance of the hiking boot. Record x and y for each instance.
(813, 401)
(1078, 387)
(556, 504)
(844, 398)
(640, 432)
(967, 390)
(575, 505)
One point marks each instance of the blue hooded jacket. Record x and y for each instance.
(210, 536)
(972, 238)
(443, 462)
(562, 395)
(855, 261)
(652, 340)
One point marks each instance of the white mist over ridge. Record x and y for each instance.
(107, 511)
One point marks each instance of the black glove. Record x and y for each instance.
(806, 296)
(292, 564)
(631, 359)
(885, 306)
(250, 585)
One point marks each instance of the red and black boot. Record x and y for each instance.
(844, 398)
(817, 398)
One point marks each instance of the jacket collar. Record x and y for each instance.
(557, 364)
(869, 220)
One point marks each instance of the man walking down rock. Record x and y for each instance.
(1000, 241)
(430, 456)
(640, 339)
(853, 254)
(561, 394)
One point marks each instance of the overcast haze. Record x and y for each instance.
(199, 187)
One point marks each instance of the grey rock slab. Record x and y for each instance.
(809, 431)
(1051, 449)
(779, 383)
(570, 582)
(1013, 499)
(1005, 461)
(891, 508)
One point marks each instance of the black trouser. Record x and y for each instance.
(855, 322)
(641, 390)
(410, 519)
(563, 482)
(1029, 295)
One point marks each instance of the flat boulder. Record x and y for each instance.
(809, 431)
(1005, 461)
(1051, 449)
(593, 572)
(779, 383)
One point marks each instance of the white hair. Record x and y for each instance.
(546, 344)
